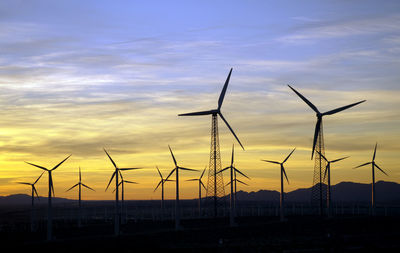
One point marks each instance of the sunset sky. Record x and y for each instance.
(80, 76)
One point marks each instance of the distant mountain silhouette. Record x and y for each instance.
(387, 192)
(24, 199)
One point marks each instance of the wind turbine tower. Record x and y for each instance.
(319, 191)
(80, 184)
(215, 184)
(51, 190)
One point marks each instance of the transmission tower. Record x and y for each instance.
(319, 189)
(215, 183)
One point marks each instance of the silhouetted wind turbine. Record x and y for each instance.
(200, 185)
(318, 135)
(373, 165)
(215, 153)
(328, 172)
(51, 189)
(122, 183)
(161, 182)
(231, 196)
(235, 181)
(33, 192)
(283, 172)
(177, 206)
(117, 217)
(80, 184)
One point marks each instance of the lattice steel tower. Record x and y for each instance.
(319, 189)
(215, 183)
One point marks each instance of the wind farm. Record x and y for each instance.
(111, 135)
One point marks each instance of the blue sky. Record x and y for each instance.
(76, 76)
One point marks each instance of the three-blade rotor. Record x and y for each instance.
(218, 110)
(49, 171)
(176, 165)
(374, 165)
(117, 169)
(281, 164)
(320, 115)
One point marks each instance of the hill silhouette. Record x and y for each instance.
(386, 192)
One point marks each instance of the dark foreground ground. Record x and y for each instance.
(253, 234)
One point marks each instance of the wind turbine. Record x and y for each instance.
(177, 206)
(33, 192)
(80, 184)
(373, 165)
(161, 182)
(51, 190)
(215, 158)
(234, 182)
(328, 172)
(318, 144)
(283, 172)
(117, 217)
(200, 185)
(123, 181)
(232, 195)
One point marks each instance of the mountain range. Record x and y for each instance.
(386, 192)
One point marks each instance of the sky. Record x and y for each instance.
(80, 76)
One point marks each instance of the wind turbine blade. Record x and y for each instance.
(233, 151)
(112, 161)
(203, 172)
(120, 173)
(193, 179)
(289, 155)
(238, 171)
(305, 100)
(72, 187)
(129, 169)
(241, 182)
(181, 168)
(130, 182)
(337, 160)
(113, 175)
(227, 124)
(38, 178)
(268, 161)
(34, 190)
(159, 173)
(51, 184)
(229, 183)
(43, 168)
(88, 187)
(197, 113)
(169, 180)
(55, 167)
(224, 169)
(322, 156)
(222, 95)
(172, 171)
(159, 183)
(203, 185)
(80, 176)
(173, 157)
(24, 183)
(284, 173)
(317, 129)
(373, 158)
(380, 169)
(362, 165)
(342, 108)
(326, 170)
